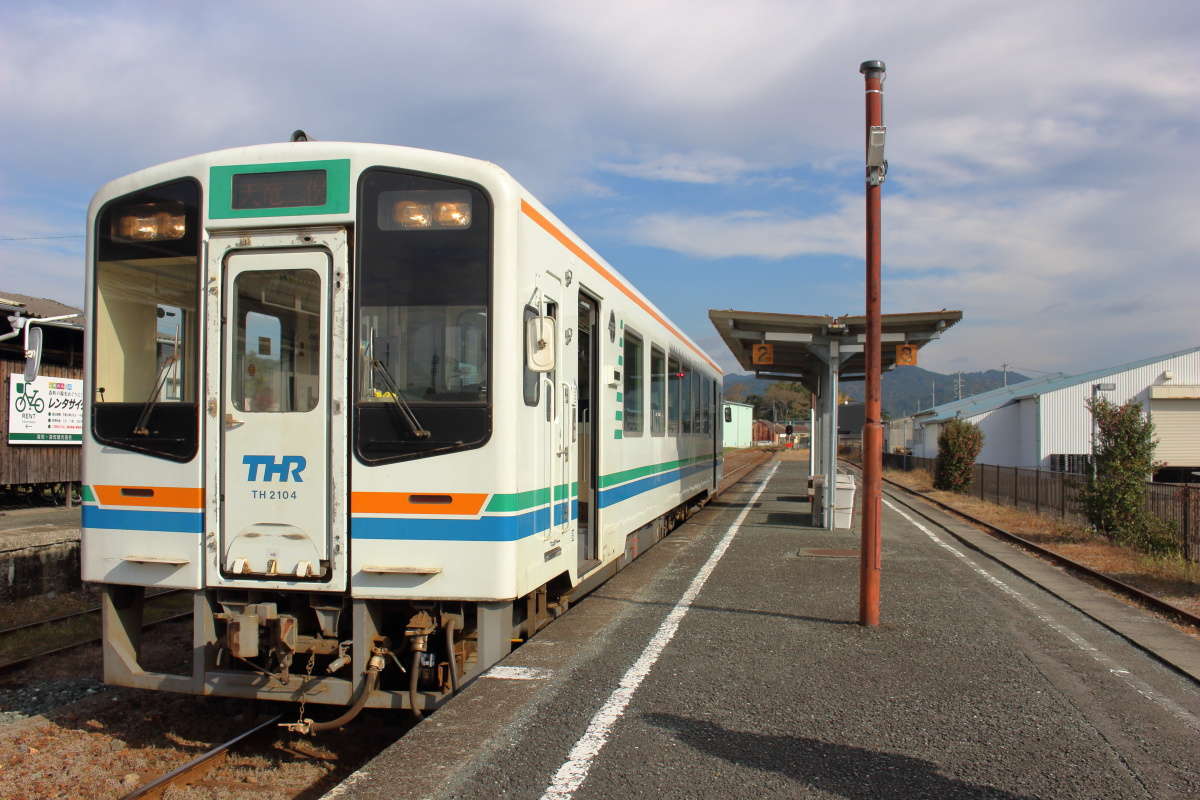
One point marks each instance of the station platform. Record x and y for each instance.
(22, 528)
(727, 662)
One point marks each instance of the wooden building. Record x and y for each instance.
(62, 357)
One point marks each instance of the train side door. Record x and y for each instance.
(275, 414)
(717, 418)
(587, 371)
(558, 390)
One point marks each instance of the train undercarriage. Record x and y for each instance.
(332, 649)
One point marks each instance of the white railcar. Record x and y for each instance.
(367, 401)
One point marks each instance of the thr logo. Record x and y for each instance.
(288, 468)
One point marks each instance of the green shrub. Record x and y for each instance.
(959, 444)
(1115, 500)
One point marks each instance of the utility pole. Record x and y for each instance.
(870, 568)
(932, 392)
(1004, 367)
(958, 384)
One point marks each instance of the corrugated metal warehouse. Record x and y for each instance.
(738, 420)
(1045, 423)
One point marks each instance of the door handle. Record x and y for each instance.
(230, 422)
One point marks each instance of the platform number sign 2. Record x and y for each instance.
(762, 354)
(906, 355)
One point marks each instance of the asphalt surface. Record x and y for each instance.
(978, 683)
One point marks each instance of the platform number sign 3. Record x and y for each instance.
(762, 354)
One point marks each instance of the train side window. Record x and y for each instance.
(706, 389)
(532, 381)
(687, 407)
(674, 399)
(694, 381)
(658, 391)
(634, 384)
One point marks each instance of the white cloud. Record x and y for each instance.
(683, 168)
(1035, 148)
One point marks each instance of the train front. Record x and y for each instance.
(292, 418)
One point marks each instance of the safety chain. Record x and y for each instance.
(308, 671)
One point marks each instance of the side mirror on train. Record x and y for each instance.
(539, 344)
(33, 352)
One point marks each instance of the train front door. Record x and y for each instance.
(275, 413)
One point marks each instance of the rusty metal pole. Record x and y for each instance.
(872, 502)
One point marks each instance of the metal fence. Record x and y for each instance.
(1058, 494)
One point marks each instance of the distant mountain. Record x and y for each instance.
(905, 389)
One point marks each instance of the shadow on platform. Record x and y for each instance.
(851, 772)
(727, 610)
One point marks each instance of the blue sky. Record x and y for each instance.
(1041, 153)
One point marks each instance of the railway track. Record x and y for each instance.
(201, 764)
(9, 664)
(1143, 598)
(737, 465)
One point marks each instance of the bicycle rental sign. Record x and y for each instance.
(45, 411)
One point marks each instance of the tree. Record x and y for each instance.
(794, 400)
(959, 444)
(1115, 500)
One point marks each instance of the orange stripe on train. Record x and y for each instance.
(566, 242)
(466, 505)
(153, 496)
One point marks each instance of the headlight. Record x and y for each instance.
(150, 222)
(452, 215)
(424, 210)
(411, 214)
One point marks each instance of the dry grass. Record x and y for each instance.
(1171, 578)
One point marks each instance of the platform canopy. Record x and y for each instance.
(820, 352)
(801, 344)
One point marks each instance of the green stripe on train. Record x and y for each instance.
(540, 497)
(531, 499)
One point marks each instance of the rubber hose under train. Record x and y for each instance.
(360, 702)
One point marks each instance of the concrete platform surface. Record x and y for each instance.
(34, 527)
(978, 683)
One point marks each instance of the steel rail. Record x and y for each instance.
(729, 479)
(1151, 601)
(8, 666)
(74, 614)
(199, 764)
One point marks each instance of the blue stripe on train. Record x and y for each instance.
(621, 493)
(505, 529)
(447, 529)
(125, 520)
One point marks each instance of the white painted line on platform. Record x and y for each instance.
(574, 771)
(1137, 684)
(517, 673)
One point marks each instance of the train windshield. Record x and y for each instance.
(147, 278)
(423, 298)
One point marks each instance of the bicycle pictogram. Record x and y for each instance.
(29, 400)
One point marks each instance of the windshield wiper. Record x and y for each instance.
(141, 427)
(389, 384)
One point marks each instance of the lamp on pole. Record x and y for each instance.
(1096, 389)
(870, 566)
